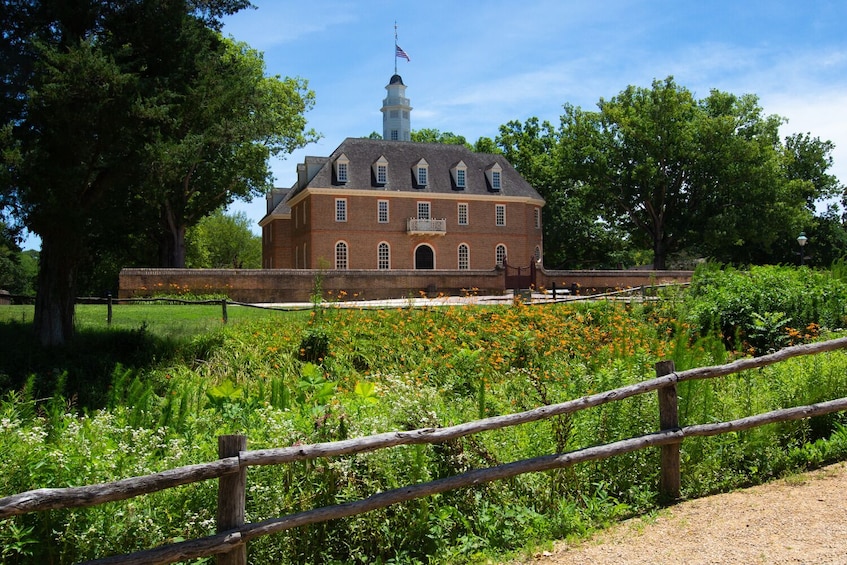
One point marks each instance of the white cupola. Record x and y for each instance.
(396, 125)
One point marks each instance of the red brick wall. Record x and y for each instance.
(362, 233)
(296, 285)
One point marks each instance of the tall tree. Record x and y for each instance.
(678, 174)
(574, 234)
(90, 88)
(223, 241)
(215, 145)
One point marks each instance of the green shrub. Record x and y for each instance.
(765, 307)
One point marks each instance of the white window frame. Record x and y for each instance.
(462, 218)
(342, 254)
(382, 211)
(340, 209)
(500, 255)
(380, 171)
(537, 213)
(500, 215)
(426, 208)
(460, 175)
(495, 177)
(421, 171)
(464, 263)
(383, 256)
(342, 169)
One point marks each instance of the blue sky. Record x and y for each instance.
(476, 65)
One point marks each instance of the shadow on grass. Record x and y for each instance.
(84, 369)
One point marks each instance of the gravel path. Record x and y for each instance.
(800, 519)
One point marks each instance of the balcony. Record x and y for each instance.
(420, 226)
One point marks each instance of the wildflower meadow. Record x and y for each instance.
(155, 399)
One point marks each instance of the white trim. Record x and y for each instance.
(343, 209)
(337, 165)
(434, 256)
(378, 258)
(498, 207)
(497, 262)
(346, 192)
(387, 211)
(459, 256)
(455, 170)
(421, 165)
(467, 221)
(346, 255)
(382, 162)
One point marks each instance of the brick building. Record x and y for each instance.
(394, 204)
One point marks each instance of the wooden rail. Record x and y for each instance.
(230, 543)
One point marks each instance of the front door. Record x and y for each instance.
(424, 257)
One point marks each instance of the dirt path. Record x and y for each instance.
(800, 519)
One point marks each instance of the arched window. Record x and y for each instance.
(464, 257)
(340, 255)
(383, 256)
(500, 255)
(537, 253)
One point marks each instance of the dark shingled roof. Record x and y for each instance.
(402, 156)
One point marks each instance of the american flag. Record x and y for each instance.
(400, 53)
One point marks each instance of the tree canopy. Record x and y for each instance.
(118, 117)
(655, 168)
(223, 241)
(216, 144)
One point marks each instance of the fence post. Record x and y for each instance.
(669, 482)
(109, 309)
(232, 498)
(223, 308)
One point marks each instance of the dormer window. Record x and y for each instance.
(460, 173)
(493, 174)
(380, 171)
(342, 165)
(421, 172)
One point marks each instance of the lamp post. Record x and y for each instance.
(802, 239)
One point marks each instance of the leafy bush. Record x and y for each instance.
(766, 307)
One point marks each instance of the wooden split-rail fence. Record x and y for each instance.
(230, 543)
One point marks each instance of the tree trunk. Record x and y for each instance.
(57, 280)
(172, 240)
(659, 254)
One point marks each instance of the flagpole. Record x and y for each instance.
(395, 47)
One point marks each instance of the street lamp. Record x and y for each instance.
(802, 239)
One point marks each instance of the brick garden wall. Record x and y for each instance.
(297, 285)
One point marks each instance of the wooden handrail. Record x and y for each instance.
(76, 497)
(222, 542)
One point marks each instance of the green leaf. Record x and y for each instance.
(366, 391)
